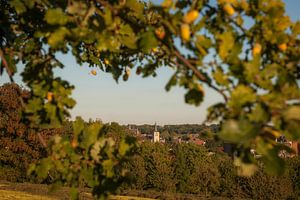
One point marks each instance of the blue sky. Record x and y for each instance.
(139, 100)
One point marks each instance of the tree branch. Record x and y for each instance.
(9, 72)
(198, 74)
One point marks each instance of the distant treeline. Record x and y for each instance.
(177, 129)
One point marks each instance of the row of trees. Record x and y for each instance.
(192, 169)
(177, 129)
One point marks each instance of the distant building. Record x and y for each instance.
(134, 130)
(198, 142)
(294, 145)
(155, 134)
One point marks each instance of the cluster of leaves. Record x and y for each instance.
(253, 48)
(90, 159)
(192, 169)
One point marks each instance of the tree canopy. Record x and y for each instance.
(246, 50)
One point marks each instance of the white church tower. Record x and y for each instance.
(155, 134)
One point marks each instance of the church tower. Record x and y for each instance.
(155, 134)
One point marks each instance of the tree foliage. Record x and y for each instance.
(197, 172)
(90, 159)
(252, 48)
(19, 145)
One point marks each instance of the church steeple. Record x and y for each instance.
(155, 134)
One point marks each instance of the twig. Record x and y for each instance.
(9, 72)
(198, 74)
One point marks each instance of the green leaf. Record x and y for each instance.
(226, 43)
(136, 6)
(31, 169)
(88, 176)
(90, 135)
(259, 114)
(238, 131)
(124, 147)
(78, 126)
(244, 169)
(56, 16)
(292, 130)
(58, 37)
(220, 77)
(128, 36)
(241, 95)
(44, 167)
(148, 41)
(203, 44)
(129, 41)
(273, 163)
(18, 5)
(108, 17)
(74, 193)
(172, 82)
(292, 113)
(194, 96)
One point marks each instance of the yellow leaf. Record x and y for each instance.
(50, 96)
(256, 49)
(191, 16)
(106, 61)
(93, 72)
(229, 9)
(282, 47)
(160, 33)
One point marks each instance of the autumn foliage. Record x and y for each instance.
(20, 145)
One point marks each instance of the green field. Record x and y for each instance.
(27, 191)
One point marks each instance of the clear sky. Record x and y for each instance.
(139, 100)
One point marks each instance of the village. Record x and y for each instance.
(203, 136)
